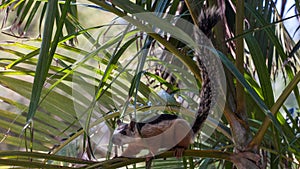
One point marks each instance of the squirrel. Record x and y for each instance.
(165, 130)
(168, 131)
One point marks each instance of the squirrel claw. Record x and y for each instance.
(178, 153)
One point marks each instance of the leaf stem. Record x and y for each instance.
(255, 143)
(121, 162)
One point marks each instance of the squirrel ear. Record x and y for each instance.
(119, 122)
(132, 125)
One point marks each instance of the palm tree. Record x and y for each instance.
(65, 84)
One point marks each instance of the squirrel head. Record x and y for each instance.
(124, 133)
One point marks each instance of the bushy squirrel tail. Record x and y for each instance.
(207, 20)
(205, 98)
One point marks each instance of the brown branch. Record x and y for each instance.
(240, 92)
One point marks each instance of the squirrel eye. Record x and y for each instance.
(123, 132)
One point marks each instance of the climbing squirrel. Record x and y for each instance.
(167, 131)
